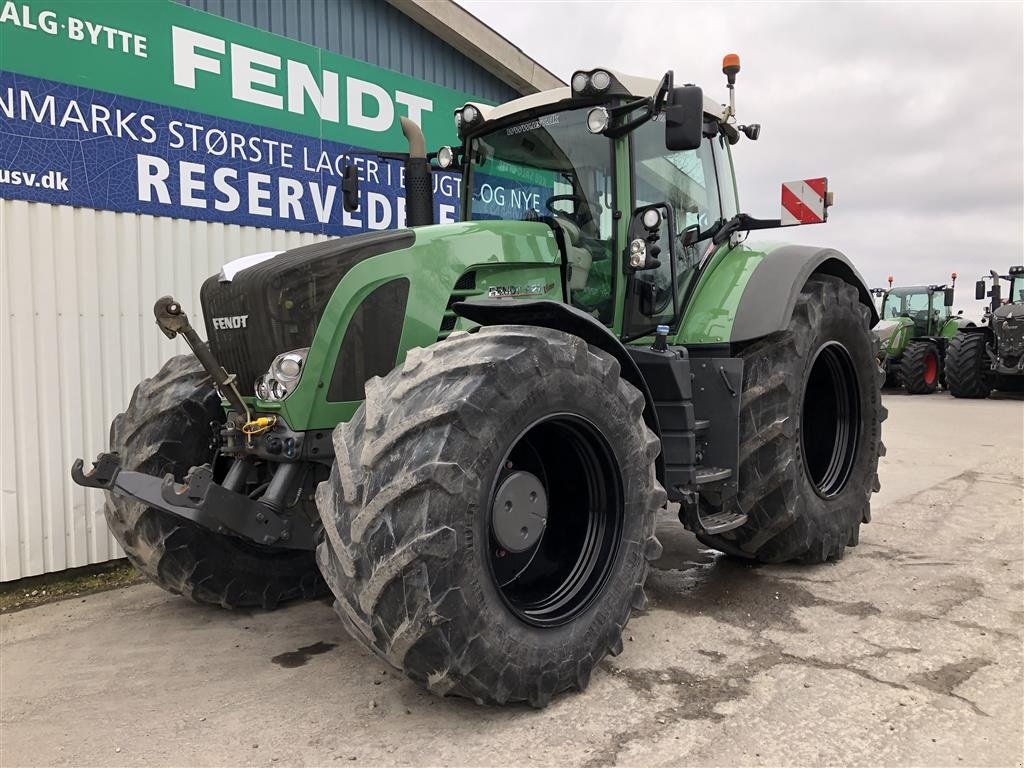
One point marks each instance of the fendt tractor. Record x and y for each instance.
(991, 356)
(916, 325)
(465, 430)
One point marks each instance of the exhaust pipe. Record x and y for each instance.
(419, 196)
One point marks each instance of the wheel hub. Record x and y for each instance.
(519, 512)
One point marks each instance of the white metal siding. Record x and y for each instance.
(77, 335)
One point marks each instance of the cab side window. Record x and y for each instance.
(726, 177)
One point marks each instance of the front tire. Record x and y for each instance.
(169, 427)
(968, 374)
(417, 554)
(921, 368)
(810, 432)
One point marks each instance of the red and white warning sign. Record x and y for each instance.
(803, 202)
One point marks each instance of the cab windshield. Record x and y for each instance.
(552, 166)
(914, 303)
(906, 302)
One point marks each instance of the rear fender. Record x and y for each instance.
(773, 287)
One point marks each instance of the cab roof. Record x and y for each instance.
(637, 87)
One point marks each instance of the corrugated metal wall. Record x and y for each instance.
(369, 30)
(77, 285)
(77, 334)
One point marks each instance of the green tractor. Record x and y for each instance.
(991, 356)
(465, 431)
(914, 330)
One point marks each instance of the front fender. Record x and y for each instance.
(544, 313)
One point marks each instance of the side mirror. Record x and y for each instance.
(949, 297)
(350, 188)
(690, 235)
(684, 119)
(979, 290)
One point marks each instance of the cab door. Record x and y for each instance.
(687, 184)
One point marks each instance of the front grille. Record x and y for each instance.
(282, 300)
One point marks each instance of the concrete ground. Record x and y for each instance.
(909, 651)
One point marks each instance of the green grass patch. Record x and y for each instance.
(50, 587)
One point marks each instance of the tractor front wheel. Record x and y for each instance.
(810, 432)
(490, 514)
(968, 374)
(169, 427)
(921, 368)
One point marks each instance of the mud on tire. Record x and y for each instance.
(790, 516)
(167, 428)
(407, 513)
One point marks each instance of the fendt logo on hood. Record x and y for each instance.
(228, 323)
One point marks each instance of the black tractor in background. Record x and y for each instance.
(991, 356)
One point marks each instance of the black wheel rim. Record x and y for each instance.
(559, 576)
(830, 421)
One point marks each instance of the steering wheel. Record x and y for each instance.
(577, 201)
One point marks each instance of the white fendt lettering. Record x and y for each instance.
(228, 323)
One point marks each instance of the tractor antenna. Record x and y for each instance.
(731, 68)
(953, 275)
(890, 281)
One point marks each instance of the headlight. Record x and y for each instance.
(579, 81)
(598, 119)
(283, 376)
(651, 219)
(445, 157)
(600, 80)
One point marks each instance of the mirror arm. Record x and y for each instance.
(741, 222)
(731, 134)
(618, 131)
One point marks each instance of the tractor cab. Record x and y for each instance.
(923, 305)
(634, 175)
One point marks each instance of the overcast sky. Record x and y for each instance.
(914, 112)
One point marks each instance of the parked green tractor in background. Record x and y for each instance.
(991, 356)
(915, 328)
(473, 425)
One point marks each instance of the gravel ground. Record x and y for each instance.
(908, 652)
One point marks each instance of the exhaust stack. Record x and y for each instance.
(419, 196)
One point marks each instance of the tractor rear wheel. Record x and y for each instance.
(921, 368)
(968, 374)
(490, 514)
(810, 432)
(169, 426)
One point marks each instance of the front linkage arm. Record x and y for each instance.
(174, 322)
(203, 501)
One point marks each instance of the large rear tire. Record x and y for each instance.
(968, 374)
(921, 368)
(810, 432)
(169, 426)
(417, 552)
